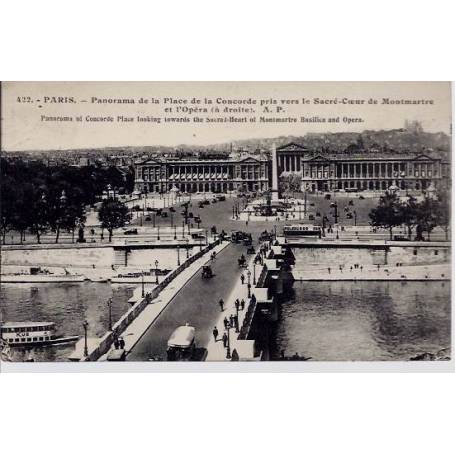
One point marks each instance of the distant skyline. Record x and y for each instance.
(24, 130)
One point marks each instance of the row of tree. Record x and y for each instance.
(423, 216)
(36, 198)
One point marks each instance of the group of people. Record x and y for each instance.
(119, 343)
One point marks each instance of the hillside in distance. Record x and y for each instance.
(399, 140)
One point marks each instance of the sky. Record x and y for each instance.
(25, 103)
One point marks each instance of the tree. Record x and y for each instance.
(8, 195)
(409, 211)
(388, 213)
(443, 211)
(113, 215)
(39, 221)
(427, 215)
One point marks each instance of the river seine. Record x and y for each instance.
(66, 304)
(364, 320)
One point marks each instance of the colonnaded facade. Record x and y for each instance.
(317, 171)
(362, 170)
(203, 175)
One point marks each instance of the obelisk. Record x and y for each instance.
(274, 191)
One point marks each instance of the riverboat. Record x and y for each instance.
(23, 334)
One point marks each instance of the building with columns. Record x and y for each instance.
(329, 171)
(318, 171)
(190, 175)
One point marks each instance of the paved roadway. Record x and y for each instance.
(196, 303)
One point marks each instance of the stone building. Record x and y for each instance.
(247, 173)
(319, 171)
(329, 171)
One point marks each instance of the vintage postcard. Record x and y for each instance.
(226, 222)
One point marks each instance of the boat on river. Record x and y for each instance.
(24, 334)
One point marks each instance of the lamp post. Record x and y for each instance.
(109, 305)
(254, 272)
(158, 237)
(206, 237)
(85, 325)
(228, 353)
(183, 229)
(175, 232)
(248, 274)
(178, 255)
(237, 319)
(355, 218)
(142, 282)
(156, 270)
(172, 219)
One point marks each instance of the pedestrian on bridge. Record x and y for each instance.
(224, 339)
(231, 320)
(226, 322)
(242, 304)
(242, 278)
(237, 304)
(215, 333)
(221, 303)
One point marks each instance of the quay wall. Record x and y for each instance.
(103, 256)
(320, 255)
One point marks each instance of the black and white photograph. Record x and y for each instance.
(225, 222)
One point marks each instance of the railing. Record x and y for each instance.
(107, 339)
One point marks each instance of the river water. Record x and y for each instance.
(66, 304)
(364, 320)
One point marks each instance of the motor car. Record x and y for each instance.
(148, 218)
(207, 271)
(171, 209)
(130, 232)
(181, 344)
